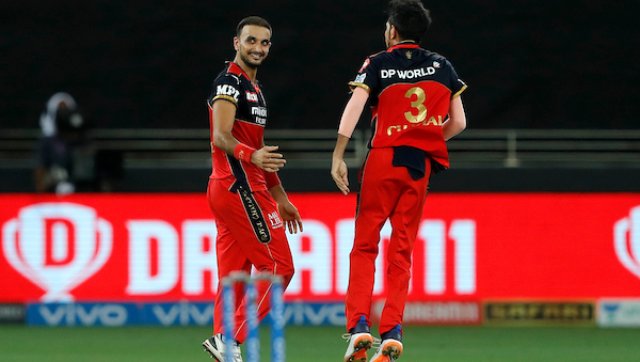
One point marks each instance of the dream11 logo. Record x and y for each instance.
(626, 234)
(57, 246)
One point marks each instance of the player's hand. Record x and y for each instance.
(267, 159)
(290, 216)
(339, 172)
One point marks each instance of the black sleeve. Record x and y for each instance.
(227, 87)
(367, 77)
(456, 84)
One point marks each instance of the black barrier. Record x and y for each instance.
(12, 313)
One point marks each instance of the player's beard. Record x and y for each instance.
(250, 62)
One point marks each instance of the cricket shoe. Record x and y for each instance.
(360, 340)
(391, 347)
(388, 351)
(216, 349)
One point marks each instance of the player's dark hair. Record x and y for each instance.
(252, 20)
(410, 18)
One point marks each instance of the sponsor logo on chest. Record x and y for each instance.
(252, 97)
(260, 115)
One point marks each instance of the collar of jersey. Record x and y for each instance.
(234, 68)
(405, 45)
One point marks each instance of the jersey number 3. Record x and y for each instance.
(417, 104)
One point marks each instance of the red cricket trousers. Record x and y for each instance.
(245, 220)
(387, 192)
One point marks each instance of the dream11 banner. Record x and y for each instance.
(470, 247)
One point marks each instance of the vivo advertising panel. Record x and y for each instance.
(470, 247)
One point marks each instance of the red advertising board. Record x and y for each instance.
(143, 247)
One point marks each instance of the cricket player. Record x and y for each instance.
(415, 99)
(248, 201)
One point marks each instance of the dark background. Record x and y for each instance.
(149, 64)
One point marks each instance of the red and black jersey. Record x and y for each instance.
(233, 85)
(410, 89)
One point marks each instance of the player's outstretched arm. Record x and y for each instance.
(339, 171)
(348, 122)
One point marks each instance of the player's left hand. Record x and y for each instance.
(290, 216)
(339, 172)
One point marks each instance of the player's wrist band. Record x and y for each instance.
(243, 152)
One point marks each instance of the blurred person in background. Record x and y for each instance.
(250, 206)
(416, 106)
(67, 158)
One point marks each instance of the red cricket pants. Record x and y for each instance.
(387, 192)
(243, 219)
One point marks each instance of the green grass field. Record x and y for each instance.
(322, 344)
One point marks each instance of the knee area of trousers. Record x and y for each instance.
(286, 272)
(366, 253)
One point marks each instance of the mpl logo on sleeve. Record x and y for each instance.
(57, 246)
(626, 234)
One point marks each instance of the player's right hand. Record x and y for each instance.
(268, 160)
(339, 172)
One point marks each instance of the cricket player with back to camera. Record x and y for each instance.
(416, 107)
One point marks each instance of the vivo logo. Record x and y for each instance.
(111, 315)
(167, 314)
(314, 314)
(183, 314)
